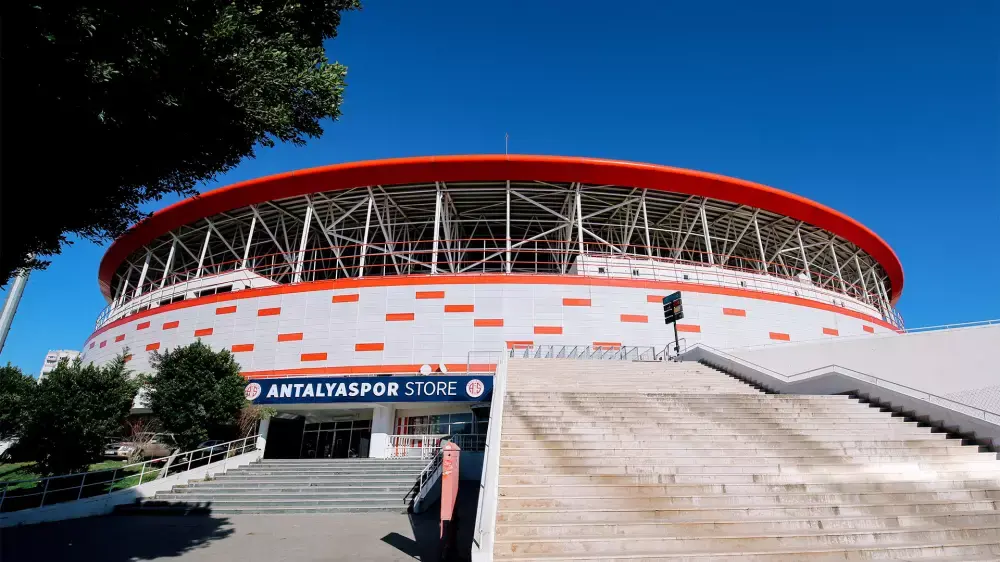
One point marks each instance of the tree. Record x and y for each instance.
(74, 410)
(16, 390)
(194, 391)
(135, 100)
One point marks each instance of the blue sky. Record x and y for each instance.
(886, 111)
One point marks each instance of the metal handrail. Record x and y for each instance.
(585, 351)
(426, 444)
(489, 481)
(246, 445)
(863, 377)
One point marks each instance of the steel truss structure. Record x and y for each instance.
(496, 227)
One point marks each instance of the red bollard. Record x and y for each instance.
(450, 454)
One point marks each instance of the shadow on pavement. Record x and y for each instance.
(111, 538)
(426, 545)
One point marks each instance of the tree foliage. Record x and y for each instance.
(124, 102)
(73, 411)
(195, 391)
(16, 391)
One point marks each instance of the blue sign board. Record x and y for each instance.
(403, 388)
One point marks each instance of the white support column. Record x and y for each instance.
(300, 258)
(246, 252)
(265, 424)
(760, 245)
(364, 242)
(142, 274)
(887, 310)
(861, 275)
(802, 250)
(383, 422)
(708, 239)
(836, 265)
(579, 220)
(204, 248)
(169, 264)
(645, 225)
(437, 230)
(509, 265)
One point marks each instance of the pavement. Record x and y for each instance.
(208, 538)
(381, 536)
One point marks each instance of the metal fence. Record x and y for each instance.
(27, 494)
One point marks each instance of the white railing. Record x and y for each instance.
(489, 482)
(415, 446)
(609, 353)
(25, 494)
(725, 362)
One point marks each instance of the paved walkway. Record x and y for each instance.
(246, 538)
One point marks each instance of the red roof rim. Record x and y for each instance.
(497, 167)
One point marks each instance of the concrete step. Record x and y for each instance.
(906, 431)
(355, 503)
(742, 513)
(661, 544)
(924, 439)
(296, 484)
(962, 550)
(606, 498)
(748, 466)
(813, 456)
(528, 486)
(681, 528)
(387, 494)
(711, 449)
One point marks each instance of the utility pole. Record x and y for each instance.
(10, 305)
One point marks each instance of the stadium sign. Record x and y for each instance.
(405, 388)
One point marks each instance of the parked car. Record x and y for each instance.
(209, 451)
(152, 446)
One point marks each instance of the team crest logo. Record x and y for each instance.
(252, 391)
(475, 388)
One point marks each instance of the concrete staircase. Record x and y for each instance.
(299, 486)
(675, 461)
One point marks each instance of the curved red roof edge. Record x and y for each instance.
(497, 167)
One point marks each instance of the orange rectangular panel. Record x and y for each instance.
(294, 336)
(92, 344)
(399, 317)
(240, 347)
(104, 343)
(869, 329)
(488, 322)
(689, 328)
(519, 343)
(640, 318)
(459, 308)
(576, 302)
(153, 346)
(171, 325)
(142, 326)
(734, 312)
(831, 332)
(614, 344)
(430, 294)
(203, 332)
(314, 356)
(269, 311)
(120, 338)
(369, 346)
(658, 299)
(128, 358)
(225, 310)
(779, 336)
(548, 329)
(352, 297)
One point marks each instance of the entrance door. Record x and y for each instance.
(341, 443)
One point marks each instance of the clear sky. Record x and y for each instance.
(887, 111)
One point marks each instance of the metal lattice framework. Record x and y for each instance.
(496, 227)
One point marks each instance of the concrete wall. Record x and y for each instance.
(396, 324)
(960, 364)
(104, 504)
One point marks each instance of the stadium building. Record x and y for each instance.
(368, 301)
